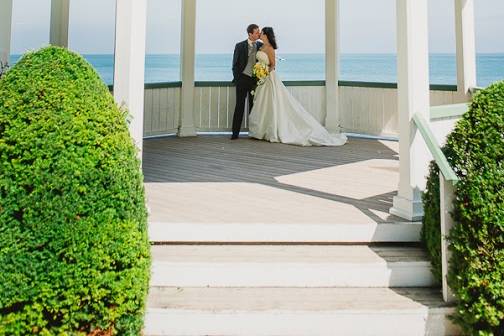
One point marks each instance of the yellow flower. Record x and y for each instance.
(260, 71)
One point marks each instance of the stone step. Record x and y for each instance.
(289, 266)
(361, 231)
(297, 311)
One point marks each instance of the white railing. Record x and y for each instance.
(214, 105)
(447, 182)
(366, 108)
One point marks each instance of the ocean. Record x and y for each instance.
(354, 67)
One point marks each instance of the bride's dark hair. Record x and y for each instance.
(268, 31)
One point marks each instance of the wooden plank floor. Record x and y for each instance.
(212, 179)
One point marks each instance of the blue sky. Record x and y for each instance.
(368, 26)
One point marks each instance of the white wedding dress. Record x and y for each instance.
(278, 117)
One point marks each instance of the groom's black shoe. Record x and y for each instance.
(234, 137)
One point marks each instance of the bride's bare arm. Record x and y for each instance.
(272, 59)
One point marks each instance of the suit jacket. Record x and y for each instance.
(240, 58)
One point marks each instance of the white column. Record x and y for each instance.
(129, 65)
(332, 46)
(413, 97)
(187, 65)
(5, 30)
(60, 14)
(466, 46)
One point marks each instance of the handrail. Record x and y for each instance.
(448, 111)
(475, 89)
(435, 149)
(373, 85)
(447, 181)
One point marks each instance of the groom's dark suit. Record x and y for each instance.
(243, 60)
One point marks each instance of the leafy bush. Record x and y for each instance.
(477, 265)
(74, 253)
(476, 150)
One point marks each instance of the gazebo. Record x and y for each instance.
(411, 98)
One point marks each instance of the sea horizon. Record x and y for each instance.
(361, 67)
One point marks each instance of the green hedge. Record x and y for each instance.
(74, 253)
(476, 150)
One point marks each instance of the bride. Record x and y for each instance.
(276, 115)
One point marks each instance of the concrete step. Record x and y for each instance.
(289, 266)
(297, 311)
(361, 231)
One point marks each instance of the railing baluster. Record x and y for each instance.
(227, 107)
(200, 124)
(210, 108)
(218, 108)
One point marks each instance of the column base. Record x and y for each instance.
(332, 125)
(187, 132)
(411, 210)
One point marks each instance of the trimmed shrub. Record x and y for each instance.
(74, 253)
(476, 150)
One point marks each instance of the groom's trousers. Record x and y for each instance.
(244, 85)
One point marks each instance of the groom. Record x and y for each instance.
(244, 59)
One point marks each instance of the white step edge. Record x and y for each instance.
(295, 233)
(419, 322)
(292, 275)
(289, 266)
(401, 317)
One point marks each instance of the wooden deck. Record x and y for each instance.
(212, 180)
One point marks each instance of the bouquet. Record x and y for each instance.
(260, 72)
